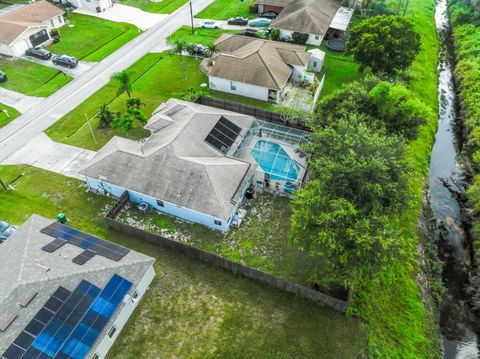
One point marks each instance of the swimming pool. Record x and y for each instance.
(274, 161)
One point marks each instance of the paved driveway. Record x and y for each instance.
(123, 13)
(225, 26)
(44, 153)
(18, 101)
(82, 67)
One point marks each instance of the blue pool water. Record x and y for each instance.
(274, 161)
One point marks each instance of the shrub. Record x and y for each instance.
(299, 38)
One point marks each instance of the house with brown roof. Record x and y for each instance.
(25, 26)
(258, 68)
(312, 17)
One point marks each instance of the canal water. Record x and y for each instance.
(456, 319)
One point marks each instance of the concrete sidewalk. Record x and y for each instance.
(18, 101)
(44, 153)
(129, 14)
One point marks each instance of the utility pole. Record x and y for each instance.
(90, 127)
(191, 17)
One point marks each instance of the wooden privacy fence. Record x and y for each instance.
(228, 265)
(248, 110)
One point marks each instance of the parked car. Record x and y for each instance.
(269, 15)
(260, 22)
(39, 53)
(6, 230)
(238, 21)
(197, 50)
(65, 61)
(250, 32)
(210, 24)
(3, 76)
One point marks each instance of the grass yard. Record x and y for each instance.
(225, 9)
(90, 38)
(162, 7)
(261, 241)
(191, 310)
(155, 77)
(32, 79)
(201, 36)
(6, 119)
(339, 69)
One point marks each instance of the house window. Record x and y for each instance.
(112, 331)
(315, 64)
(52, 24)
(95, 356)
(233, 87)
(217, 222)
(160, 203)
(317, 37)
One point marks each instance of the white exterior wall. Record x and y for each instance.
(187, 214)
(125, 313)
(315, 64)
(312, 38)
(243, 89)
(92, 4)
(55, 22)
(18, 47)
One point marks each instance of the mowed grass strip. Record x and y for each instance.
(90, 38)
(155, 77)
(200, 36)
(225, 9)
(161, 7)
(32, 79)
(192, 310)
(8, 116)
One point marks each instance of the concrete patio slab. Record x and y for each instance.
(129, 14)
(42, 152)
(82, 67)
(18, 101)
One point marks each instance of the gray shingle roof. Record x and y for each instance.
(26, 268)
(256, 61)
(176, 164)
(307, 16)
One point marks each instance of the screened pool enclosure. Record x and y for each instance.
(281, 163)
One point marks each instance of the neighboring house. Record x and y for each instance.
(94, 5)
(199, 162)
(66, 294)
(259, 68)
(25, 26)
(317, 18)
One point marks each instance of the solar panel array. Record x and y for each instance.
(69, 323)
(92, 245)
(223, 135)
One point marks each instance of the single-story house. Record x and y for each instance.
(184, 169)
(199, 163)
(259, 68)
(26, 26)
(90, 4)
(65, 293)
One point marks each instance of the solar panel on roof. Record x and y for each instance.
(223, 135)
(24, 340)
(85, 241)
(13, 352)
(83, 257)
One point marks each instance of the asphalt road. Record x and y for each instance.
(19, 132)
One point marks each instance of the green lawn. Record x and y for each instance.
(4, 118)
(32, 79)
(192, 310)
(156, 78)
(261, 241)
(162, 7)
(339, 69)
(90, 38)
(200, 36)
(225, 9)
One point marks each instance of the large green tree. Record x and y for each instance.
(359, 183)
(385, 44)
(124, 83)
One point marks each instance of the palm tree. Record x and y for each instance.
(125, 84)
(212, 50)
(179, 45)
